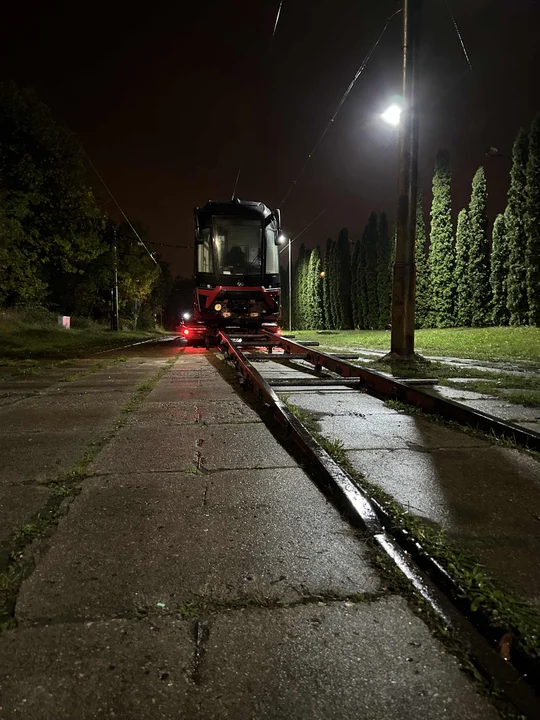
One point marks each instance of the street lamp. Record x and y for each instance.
(392, 115)
(283, 239)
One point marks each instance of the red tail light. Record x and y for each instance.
(186, 332)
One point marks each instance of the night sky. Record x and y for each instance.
(169, 102)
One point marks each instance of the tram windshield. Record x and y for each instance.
(237, 246)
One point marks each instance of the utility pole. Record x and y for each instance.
(114, 314)
(404, 285)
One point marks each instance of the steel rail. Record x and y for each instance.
(382, 386)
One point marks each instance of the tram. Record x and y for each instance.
(237, 283)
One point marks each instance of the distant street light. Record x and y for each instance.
(186, 316)
(323, 274)
(392, 115)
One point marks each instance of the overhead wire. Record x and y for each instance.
(158, 244)
(465, 53)
(306, 228)
(140, 240)
(277, 17)
(236, 184)
(340, 104)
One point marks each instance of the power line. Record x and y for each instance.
(340, 104)
(185, 247)
(277, 18)
(236, 184)
(306, 228)
(447, 3)
(118, 206)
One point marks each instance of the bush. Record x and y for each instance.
(28, 316)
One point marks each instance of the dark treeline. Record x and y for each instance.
(56, 242)
(466, 274)
(349, 286)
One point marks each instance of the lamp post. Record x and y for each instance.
(282, 239)
(404, 279)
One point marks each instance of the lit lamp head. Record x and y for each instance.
(392, 115)
(282, 239)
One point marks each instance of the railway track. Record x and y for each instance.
(257, 359)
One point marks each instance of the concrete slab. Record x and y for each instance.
(392, 432)
(35, 457)
(488, 498)
(215, 447)
(136, 669)
(456, 393)
(129, 543)
(29, 383)
(504, 410)
(159, 414)
(60, 414)
(11, 397)
(336, 662)
(18, 503)
(530, 425)
(338, 402)
(192, 391)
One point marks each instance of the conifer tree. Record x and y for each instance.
(370, 256)
(355, 289)
(515, 231)
(463, 280)
(499, 272)
(327, 312)
(384, 272)
(422, 270)
(334, 287)
(304, 292)
(344, 279)
(361, 281)
(297, 288)
(479, 252)
(314, 318)
(441, 253)
(532, 223)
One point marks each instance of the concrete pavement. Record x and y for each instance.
(486, 497)
(201, 574)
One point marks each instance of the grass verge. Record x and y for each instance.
(24, 343)
(508, 344)
(506, 612)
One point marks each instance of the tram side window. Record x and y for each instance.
(272, 253)
(205, 261)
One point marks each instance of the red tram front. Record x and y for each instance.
(236, 268)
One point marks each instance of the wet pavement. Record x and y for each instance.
(200, 573)
(486, 497)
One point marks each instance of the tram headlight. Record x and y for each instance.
(217, 307)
